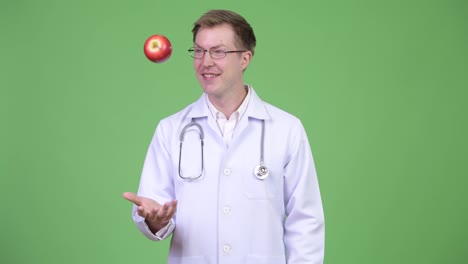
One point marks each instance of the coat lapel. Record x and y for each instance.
(255, 109)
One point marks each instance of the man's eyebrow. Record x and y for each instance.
(214, 47)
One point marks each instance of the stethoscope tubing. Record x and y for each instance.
(260, 171)
(182, 136)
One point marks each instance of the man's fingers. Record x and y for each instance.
(167, 211)
(162, 212)
(172, 207)
(132, 198)
(141, 211)
(144, 213)
(173, 203)
(153, 215)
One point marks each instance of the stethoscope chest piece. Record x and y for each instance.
(261, 172)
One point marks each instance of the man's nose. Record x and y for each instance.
(207, 60)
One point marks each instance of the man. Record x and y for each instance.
(231, 177)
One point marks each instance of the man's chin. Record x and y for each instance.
(209, 89)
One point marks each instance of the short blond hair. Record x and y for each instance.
(245, 37)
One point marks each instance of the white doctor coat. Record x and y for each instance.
(228, 216)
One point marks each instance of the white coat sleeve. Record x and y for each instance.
(304, 226)
(156, 182)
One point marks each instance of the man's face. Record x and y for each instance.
(220, 78)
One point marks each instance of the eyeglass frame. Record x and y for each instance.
(211, 52)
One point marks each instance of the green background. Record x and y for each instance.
(379, 85)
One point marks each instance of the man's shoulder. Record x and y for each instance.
(280, 115)
(275, 113)
(180, 115)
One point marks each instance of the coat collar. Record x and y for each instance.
(255, 108)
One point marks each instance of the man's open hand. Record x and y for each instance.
(156, 215)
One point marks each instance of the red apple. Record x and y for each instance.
(157, 48)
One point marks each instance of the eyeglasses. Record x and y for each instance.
(199, 53)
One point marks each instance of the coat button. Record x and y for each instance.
(226, 209)
(227, 172)
(227, 248)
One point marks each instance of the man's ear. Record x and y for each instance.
(246, 58)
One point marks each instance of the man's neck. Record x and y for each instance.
(230, 103)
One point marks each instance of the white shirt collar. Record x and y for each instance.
(238, 113)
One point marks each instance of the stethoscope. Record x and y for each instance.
(260, 171)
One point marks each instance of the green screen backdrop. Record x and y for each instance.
(381, 87)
